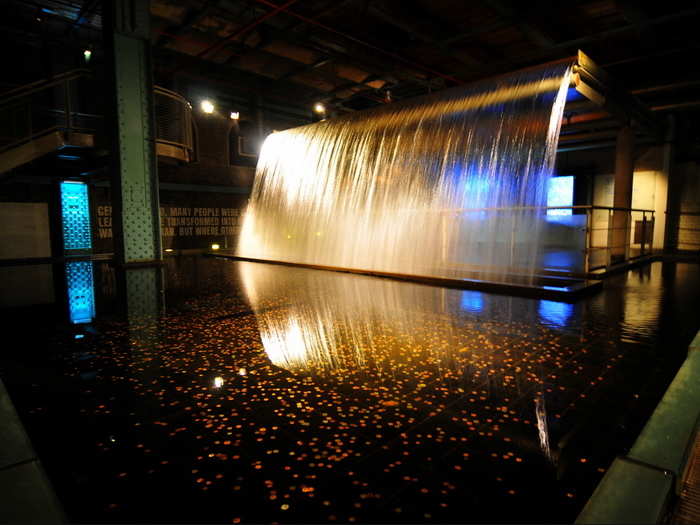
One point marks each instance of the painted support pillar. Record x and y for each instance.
(622, 196)
(134, 176)
(675, 188)
(134, 188)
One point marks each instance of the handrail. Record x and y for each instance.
(39, 85)
(576, 207)
(27, 118)
(173, 119)
(160, 90)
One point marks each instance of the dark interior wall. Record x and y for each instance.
(26, 59)
(587, 165)
(212, 164)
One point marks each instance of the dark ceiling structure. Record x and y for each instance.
(355, 54)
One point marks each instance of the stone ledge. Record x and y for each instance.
(638, 488)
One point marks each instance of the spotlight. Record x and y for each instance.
(319, 108)
(87, 54)
(215, 246)
(207, 107)
(234, 115)
(218, 382)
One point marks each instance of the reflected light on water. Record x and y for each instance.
(471, 301)
(285, 344)
(555, 313)
(542, 429)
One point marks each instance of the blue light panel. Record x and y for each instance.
(471, 301)
(81, 291)
(75, 212)
(555, 313)
(560, 192)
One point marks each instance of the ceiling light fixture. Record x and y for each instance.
(207, 107)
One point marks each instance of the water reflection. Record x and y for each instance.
(354, 397)
(80, 290)
(642, 303)
(542, 428)
(403, 341)
(472, 301)
(555, 313)
(329, 321)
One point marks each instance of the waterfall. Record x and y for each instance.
(431, 186)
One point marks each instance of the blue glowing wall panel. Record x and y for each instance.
(75, 211)
(560, 192)
(81, 291)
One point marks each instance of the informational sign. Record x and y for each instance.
(181, 222)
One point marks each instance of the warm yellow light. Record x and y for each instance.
(319, 108)
(207, 106)
(242, 371)
(168, 250)
(235, 115)
(215, 246)
(218, 382)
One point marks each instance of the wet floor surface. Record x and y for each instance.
(270, 394)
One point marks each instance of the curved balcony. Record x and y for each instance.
(173, 125)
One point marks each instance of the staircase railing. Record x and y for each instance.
(62, 103)
(71, 103)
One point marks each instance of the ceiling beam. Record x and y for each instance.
(409, 24)
(85, 10)
(305, 69)
(192, 17)
(517, 15)
(406, 61)
(216, 46)
(530, 57)
(636, 15)
(275, 86)
(364, 61)
(333, 7)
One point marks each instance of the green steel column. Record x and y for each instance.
(135, 181)
(136, 224)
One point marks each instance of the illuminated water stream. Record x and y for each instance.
(411, 187)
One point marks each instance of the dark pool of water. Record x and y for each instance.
(272, 394)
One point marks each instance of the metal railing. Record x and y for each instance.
(573, 239)
(617, 235)
(173, 121)
(70, 103)
(688, 239)
(64, 103)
